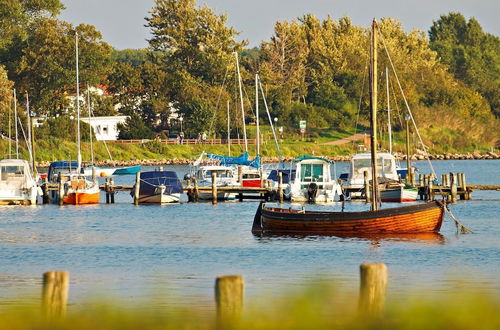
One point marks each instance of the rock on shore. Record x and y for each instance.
(186, 161)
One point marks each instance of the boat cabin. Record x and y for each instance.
(312, 169)
(386, 166)
(17, 184)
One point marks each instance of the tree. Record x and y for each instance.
(472, 55)
(193, 47)
(17, 17)
(5, 101)
(134, 128)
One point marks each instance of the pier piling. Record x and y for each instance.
(137, 187)
(367, 187)
(373, 284)
(214, 188)
(280, 186)
(55, 293)
(229, 292)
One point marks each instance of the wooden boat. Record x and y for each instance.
(411, 219)
(159, 187)
(417, 218)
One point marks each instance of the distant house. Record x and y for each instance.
(105, 128)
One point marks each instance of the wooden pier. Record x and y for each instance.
(453, 186)
(265, 192)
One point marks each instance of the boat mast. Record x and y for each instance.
(270, 121)
(90, 126)
(28, 142)
(373, 114)
(257, 112)
(241, 101)
(10, 131)
(228, 132)
(389, 128)
(79, 152)
(15, 120)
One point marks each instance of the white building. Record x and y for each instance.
(105, 128)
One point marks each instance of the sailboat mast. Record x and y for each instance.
(241, 101)
(373, 114)
(10, 130)
(28, 121)
(389, 126)
(228, 132)
(79, 152)
(15, 120)
(257, 112)
(90, 126)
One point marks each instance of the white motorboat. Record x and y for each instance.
(17, 184)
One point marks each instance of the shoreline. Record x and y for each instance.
(188, 161)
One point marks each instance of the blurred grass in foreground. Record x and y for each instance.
(318, 307)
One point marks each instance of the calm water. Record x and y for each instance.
(175, 251)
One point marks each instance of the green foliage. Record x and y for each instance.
(6, 111)
(472, 55)
(134, 57)
(62, 128)
(134, 128)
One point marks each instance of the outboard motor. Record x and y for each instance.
(312, 190)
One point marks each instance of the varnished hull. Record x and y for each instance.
(418, 218)
(79, 198)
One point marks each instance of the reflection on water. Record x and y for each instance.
(176, 251)
(375, 239)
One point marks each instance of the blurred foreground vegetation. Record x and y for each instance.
(318, 307)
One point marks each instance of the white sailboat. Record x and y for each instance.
(17, 183)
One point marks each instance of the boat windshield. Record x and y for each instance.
(219, 174)
(311, 172)
(11, 171)
(384, 165)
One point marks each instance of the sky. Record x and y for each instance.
(122, 21)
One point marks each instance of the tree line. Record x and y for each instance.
(311, 69)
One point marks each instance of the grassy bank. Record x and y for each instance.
(319, 307)
(438, 140)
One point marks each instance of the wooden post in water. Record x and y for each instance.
(447, 177)
(431, 187)
(60, 189)
(196, 192)
(453, 187)
(229, 292)
(413, 180)
(214, 188)
(106, 189)
(137, 187)
(463, 187)
(55, 293)
(45, 191)
(240, 175)
(94, 174)
(372, 288)
(443, 180)
(280, 186)
(367, 187)
(112, 189)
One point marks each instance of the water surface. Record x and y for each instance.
(172, 254)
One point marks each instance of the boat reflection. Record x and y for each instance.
(418, 238)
